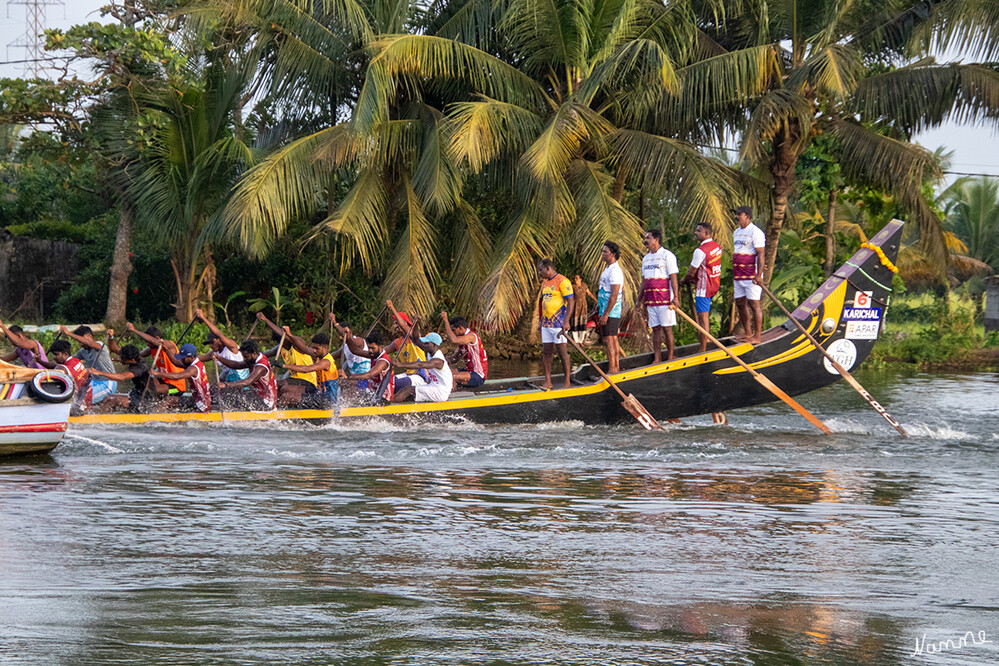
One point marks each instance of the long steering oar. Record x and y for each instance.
(388, 373)
(630, 403)
(769, 385)
(839, 368)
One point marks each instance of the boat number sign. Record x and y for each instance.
(845, 353)
(862, 320)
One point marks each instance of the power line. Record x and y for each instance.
(19, 62)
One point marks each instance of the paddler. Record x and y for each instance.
(263, 394)
(25, 349)
(322, 365)
(95, 356)
(410, 351)
(197, 378)
(353, 353)
(470, 349)
(381, 364)
(164, 360)
(225, 347)
(139, 399)
(298, 385)
(438, 388)
(62, 359)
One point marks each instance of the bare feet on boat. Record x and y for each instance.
(546, 387)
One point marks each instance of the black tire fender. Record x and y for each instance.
(52, 386)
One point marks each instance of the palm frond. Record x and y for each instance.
(358, 223)
(437, 179)
(510, 284)
(469, 258)
(284, 185)
(639, 70)
(699, 187)
(772, 114)
(485, 130)
(549, 33)
(413, 273)
(832, 71)
(897, 167)
(926, 95)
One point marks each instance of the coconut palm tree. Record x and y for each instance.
(973, 216)
(846, 70)
(545, 99)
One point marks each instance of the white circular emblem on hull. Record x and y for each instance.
(845, 353)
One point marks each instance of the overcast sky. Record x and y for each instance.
(976, 149)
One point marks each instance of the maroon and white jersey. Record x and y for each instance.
(745, 243)
(656, 269)
(266, 386)
(707, 261)
(81, 378)
(376, 381)
(199, 387)
(475, 356)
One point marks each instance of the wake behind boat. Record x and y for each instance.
(845, 315)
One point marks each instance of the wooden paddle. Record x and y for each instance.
(720, 418)
(375, 322)
(769, 385)
(388, 373)
(630, 403)
(150, 380)
(839, 368)
(252, 328)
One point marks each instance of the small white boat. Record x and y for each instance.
(34, 409)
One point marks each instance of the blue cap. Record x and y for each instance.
(432, 337)
(185, 351)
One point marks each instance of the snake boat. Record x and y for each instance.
(34, 409)
(845, 315)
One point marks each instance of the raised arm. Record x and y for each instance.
(299, 343)
(145, 337)
(271, 325)
(84, 342)
(19, 339)
(348, 337)
(398, 318)
(321, 364)
(455, 339)
(229, 343)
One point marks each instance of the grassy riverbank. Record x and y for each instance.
(934, 333)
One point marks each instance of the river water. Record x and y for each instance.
(760, 543)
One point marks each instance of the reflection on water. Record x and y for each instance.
(762, 543)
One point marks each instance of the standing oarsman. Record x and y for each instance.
(470, 348)
(95, 356)
(225, 347)
(438, 387)
(263, 385)
(748, 246)
(609, 304)
(353, 353)
(197, 378)
(25, 349)
(659, 290)
(705, 273)
(554, 316)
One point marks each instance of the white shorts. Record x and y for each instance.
(553, 335)
(415, 379)
(661, 315)
(746, 289)
(432, 393)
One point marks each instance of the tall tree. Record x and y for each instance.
(846, 69)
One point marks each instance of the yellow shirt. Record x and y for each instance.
(410, 354)
(554, 296)
(296, 357)
(327, 375)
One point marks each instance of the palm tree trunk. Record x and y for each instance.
(121, 265)
(782, 164)
(831, 233)
(619, 182)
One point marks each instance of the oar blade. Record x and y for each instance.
(641, 415)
